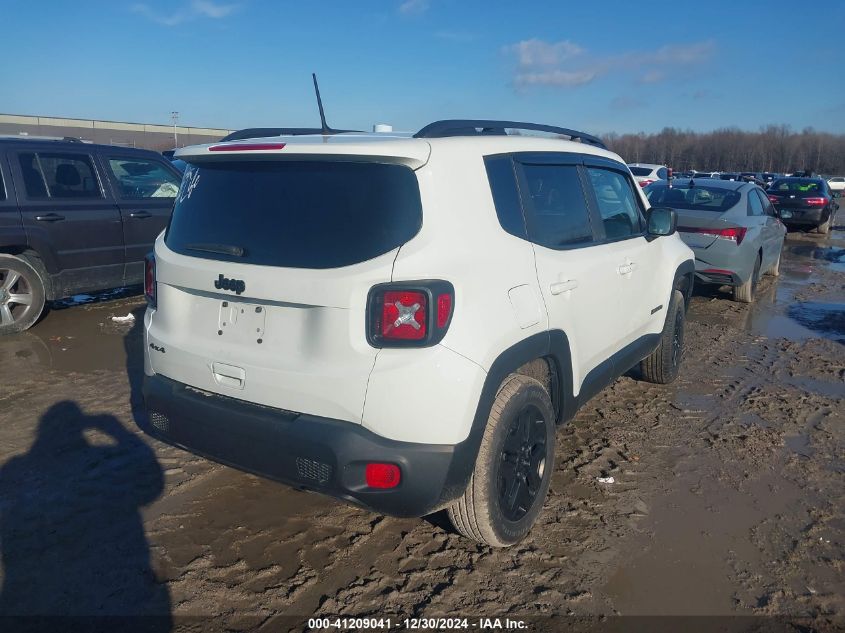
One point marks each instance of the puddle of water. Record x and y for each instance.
(799, 444)
(827, 319)
(81, 338)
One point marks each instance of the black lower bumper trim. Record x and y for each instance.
(328, 456)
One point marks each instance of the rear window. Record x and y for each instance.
(697, 198)
(640, 171)
(315, 214)
(797, 185)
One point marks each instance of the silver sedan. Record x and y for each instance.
(735, 232)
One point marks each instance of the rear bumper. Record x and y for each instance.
(709, 274)
(802, 217)
(722, 278)
(304, 451)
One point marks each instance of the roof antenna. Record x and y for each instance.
(326, 128)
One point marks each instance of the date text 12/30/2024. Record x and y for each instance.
(411, 624)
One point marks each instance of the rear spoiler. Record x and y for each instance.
(413, 153)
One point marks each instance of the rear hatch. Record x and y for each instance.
(263, 273)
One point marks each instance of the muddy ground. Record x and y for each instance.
(728, 493)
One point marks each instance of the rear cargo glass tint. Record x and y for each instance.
(696, 198)
(314, 214)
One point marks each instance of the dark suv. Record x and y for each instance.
(75, 217)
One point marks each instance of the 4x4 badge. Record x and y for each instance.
(237, 285)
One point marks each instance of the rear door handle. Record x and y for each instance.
(140, 214)
(49, 217)
(563, 286)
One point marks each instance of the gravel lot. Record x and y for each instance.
(728, 493)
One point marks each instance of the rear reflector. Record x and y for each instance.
(250, 147)
(444, 309)
(735, 234)
(382, 475)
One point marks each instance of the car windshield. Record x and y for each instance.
(641, 171)
(798, 186)
(695, 197)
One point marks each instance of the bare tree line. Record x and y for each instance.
(775, 148)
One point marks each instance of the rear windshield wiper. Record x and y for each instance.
(220, 249)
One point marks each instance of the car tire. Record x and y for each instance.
(22, 294)
(824, 227)
(513, 470)
(663, 364)
(745, 293)
(774, 271)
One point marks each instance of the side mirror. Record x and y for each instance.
(662, 221)
(785, 214)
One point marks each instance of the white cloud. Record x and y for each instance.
(559, 78)
(413, 7)
(192, 11)
(532, 53)
(211, 9)
(565, 64)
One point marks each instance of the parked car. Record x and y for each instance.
(645, 173)
(75, 217)
(731, 227)
(837, 183)
(402, 322)
(809, 201)
(753, 176)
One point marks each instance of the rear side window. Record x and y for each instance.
(556, 209)
(139, 178)
(310, 214)
(62, 176)
(755, 206)
(619, 209)
(768, 209)
(506, 194)
(640, 171)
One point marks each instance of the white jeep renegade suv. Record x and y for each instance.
(401, 322)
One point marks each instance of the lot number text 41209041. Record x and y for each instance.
(423, 624)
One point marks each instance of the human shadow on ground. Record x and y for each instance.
(72, 537)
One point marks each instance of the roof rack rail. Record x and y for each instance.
(481, 127)
(28, 137)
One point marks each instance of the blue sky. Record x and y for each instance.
(597, 66)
